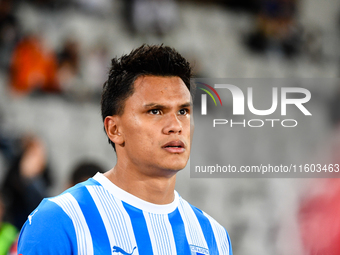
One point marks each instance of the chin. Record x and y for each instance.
(176, 166)
(174, 163)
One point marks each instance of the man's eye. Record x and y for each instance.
(155, 111)
(183, 111)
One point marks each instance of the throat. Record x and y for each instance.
(156, 190)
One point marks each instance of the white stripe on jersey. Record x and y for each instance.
(220, 235)
(71, 207)
(192, 226)
(161, 235)
(115, 218)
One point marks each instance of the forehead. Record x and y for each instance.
(159, 88)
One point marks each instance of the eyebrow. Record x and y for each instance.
(188, 104)
(160, 106)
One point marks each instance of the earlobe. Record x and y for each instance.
(111, 124)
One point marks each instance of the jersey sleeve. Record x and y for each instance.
(216, 235)
(222, 238)
(48, 230)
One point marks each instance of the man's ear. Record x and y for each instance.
(111, 124)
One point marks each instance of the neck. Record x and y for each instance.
(155, 189)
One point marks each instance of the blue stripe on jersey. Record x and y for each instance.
(182, 245)
(55, 222)
(140, 229)
(94, 221)
(207, 230)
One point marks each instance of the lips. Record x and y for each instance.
(174, 147)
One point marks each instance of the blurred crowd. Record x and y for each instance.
(70, 70)
(36, 68)
(276, 28)
(26, 183)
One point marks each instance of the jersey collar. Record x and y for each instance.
(135, 201)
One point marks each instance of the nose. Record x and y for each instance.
(173, 125)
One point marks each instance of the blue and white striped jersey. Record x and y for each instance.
(96, 217)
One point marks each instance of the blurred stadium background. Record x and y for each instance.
(55, 55)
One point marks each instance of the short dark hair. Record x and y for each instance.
(155, 60)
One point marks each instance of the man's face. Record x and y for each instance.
(155, 125)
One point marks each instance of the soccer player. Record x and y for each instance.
(133, 208)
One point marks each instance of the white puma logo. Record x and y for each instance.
(30, 216)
